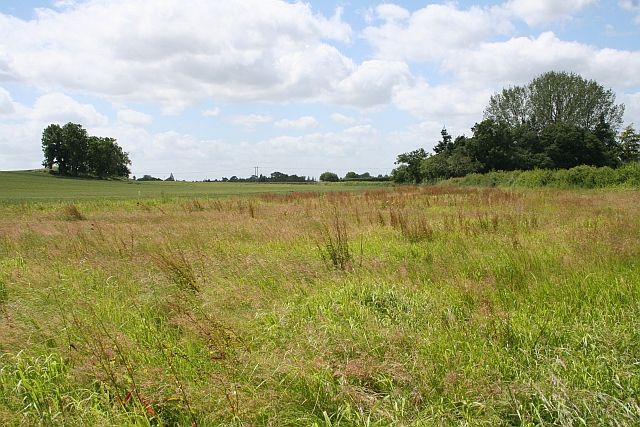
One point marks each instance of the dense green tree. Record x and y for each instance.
(556, 97)
(329, 177)
(445, 144)
(106, 158)
(54, 149)
(351, 175)
(76, 141)
(401, 175)
(411, 161)
(454, 161)
(74, 152)
(569, 145)
(629, 145)
(494, 147)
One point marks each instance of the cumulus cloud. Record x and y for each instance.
(430, 33)
(174, 55)
(458, 105)
(60, 108)
(304, 122)
(134, 118)
(517, 60)
(21, 125)
(538, 12)
(373, 83)
(391, 12)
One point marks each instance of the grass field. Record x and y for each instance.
(392, 306)
(24, 186)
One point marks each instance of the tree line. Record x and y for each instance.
(558, 121)
(72, 151)
(352, 176)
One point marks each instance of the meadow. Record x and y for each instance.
(425, 306)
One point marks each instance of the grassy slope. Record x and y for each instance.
(456, 307)
(21, 186)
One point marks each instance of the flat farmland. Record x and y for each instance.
(35, 186)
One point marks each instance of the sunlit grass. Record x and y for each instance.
(397, 306)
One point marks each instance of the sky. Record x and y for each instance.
(211, 88)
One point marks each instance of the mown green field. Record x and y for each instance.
(24, 186)
(390, 306)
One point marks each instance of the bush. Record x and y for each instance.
(329, 177)
(577, 177)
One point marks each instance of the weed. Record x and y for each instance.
(174, 263)
(335, 250)
(72, 213)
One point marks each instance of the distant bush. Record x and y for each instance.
(329, 177)
(577, 177)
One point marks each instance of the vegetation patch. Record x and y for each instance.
(405, 305)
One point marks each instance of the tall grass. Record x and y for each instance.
(398, 306)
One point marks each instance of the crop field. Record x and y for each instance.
(36, 186)
(425, 306)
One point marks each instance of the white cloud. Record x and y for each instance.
(304, 122)
(433, 31)
(518, 60)
(60, 108)
(632, 110)
(21, 127)
(212, 112)
(373, 83)
(134, 118)
(391, 12)
(64, 4)
(450, 105)
(166, 53)
(538, 12)
(250, 121)
(7, 105)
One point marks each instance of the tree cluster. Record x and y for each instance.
(274, 177)
(74, 152)
(351, 176)
(558, 121)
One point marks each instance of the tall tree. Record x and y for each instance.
(76, 142)
(75, 152)
(106, 158)
(630, 145)
(556, 97)
(54, 149)
(446, 144)
(410, 164)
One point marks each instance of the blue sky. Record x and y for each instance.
(209, 89)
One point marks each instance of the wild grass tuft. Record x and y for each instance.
(174, 263)
(334, 249)
(72, 213)
(414, 228)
